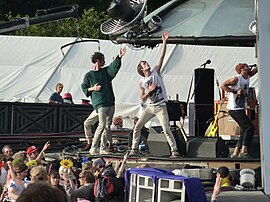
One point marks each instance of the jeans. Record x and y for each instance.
(89, 123)
(160, 111)
(103, 131)
(246, 127)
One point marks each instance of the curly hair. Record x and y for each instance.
(97, 56)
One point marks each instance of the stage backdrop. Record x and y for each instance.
(31, 66)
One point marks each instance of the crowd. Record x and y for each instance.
(26, 177)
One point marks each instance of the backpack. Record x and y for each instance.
(103, 187)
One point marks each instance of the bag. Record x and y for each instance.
(103, 187)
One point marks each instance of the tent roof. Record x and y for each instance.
(208, 22)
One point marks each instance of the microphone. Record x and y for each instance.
(254, 65)
(206, 63)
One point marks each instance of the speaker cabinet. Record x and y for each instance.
(204, 86)
(158, 145)
(199, 116)
(207, 147)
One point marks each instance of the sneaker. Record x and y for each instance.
(86, 147)
(105, 152)
(175, 154)
(244, 156)
(233, 156)
(93, 152)
(133, 152)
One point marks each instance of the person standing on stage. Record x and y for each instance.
(152, 88)
(97, 83)
(56, 96)
(238, 87)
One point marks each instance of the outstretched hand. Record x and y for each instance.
(165, 36)
(122, 52)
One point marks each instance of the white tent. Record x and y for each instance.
(31, 66)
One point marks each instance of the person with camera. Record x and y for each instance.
(238, 87)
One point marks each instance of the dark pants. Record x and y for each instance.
(246, 127)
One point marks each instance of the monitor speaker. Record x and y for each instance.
(207, 147)
(158, 145)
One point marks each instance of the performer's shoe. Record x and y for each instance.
(233, 156)
(93, 152)
(244, 156)
(175, 154)
(86, 147)
(104, 152)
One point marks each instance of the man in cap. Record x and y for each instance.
(238, 87)
(34, 156)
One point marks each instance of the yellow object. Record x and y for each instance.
(225, 182)
(66, 163)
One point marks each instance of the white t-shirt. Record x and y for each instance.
(235, 101)
(159, 95)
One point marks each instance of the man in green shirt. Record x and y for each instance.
(97, 84)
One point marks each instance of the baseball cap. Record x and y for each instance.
(99, 162)
(31, 149)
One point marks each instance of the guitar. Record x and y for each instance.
(212, 130)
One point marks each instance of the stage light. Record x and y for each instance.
(121, 10)
(247, 178)
(154, 23)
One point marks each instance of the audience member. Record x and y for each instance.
(3, 170)
(7, 151)
(38, 174)
(85, 191)
(54, 180)
(41, 192)
(56, 96)
(18, 180)
(34, 156)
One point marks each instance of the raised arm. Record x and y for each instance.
(230, 82)
(165, 37)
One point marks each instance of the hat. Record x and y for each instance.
(20, 167)
(117, 120)
(67, 96)
(99, 162)
(239, 67)
(31, 149)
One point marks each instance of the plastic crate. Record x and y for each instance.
(145, 191)
(170, 190)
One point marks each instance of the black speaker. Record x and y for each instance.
(176, 109)
(204, 86)
(158, 145)
(207, 147)
(199, 117)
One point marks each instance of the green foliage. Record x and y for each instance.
(92, 14)
(86, 27)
